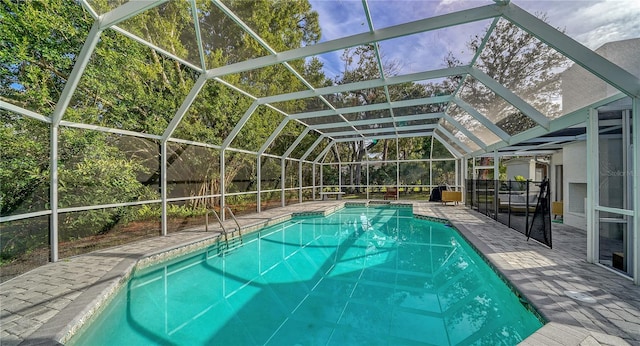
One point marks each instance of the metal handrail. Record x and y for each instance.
(236, 221)
(233, 216)
(206, 225)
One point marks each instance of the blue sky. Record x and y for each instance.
(590, 22)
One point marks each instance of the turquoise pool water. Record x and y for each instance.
(361, 276)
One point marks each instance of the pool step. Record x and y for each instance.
(230, 245)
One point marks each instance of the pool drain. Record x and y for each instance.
(581, 296)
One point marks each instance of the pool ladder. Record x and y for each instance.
(224, 230)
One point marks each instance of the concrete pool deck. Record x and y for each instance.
(43, 306)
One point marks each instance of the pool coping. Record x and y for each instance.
(562, 328)
(555, 329)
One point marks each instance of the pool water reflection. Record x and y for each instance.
(359, 276)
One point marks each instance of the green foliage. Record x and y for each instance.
(519, 178)
(24, 164)
(154, 212)
(384, 174)
(97, 174)
(21, 237)
(129, 86)
(40, 40)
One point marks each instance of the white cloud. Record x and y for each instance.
(590, 22)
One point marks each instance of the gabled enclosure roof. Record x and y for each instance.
(470, 109)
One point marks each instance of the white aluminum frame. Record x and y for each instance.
(625, 82)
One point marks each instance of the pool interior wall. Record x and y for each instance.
(363, 275)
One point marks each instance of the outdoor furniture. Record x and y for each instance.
(518, 203)
(451, 196)
(556, 209)
(392, 192)
(325, 194)
(436, 193)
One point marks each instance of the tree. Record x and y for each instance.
(521, 63)
(360, 64)
(129, 86)
(284, 25)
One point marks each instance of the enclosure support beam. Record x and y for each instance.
(576, 117)
(239, 125)
(156, 48)
(197, 86)
(510, 97)
(431, 185)
(222, 183)
(385, 131)
(482, 119)
(23, 111)
(398, 169)
(592, 186)
(465, 178)
(466, 132)
(126, 11)
(273, 136)
(373, 107)
(339, 176)
(300, 184)
(258, 183)
(311, 148)
(368, 84)
(496, 177)
(635, 161)
(53, 164)
(447, 145)
(321, 177)
(368, 181)
(391, 136)
(163, 185)
(324, 152)
(296, 142)
(313, 176)
(427, 24)
(78, 69)
(283, 184)
(456, 181)
(581, 55)
(454, 139)
(196, 22)
(421, 116)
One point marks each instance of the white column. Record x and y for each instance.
(398, 168)
(300, 183)
(339, 176)
(258, 183)
(636, 191)
(368, 187)
(283, 184)
(222, 188)
(53, 190)
(313, 177)
(465, 170)
(592, 186)
(431, 186)
(496, 176)
(163, 185)
(457, 176)
(321, 176)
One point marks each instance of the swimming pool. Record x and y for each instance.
(359, 276)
